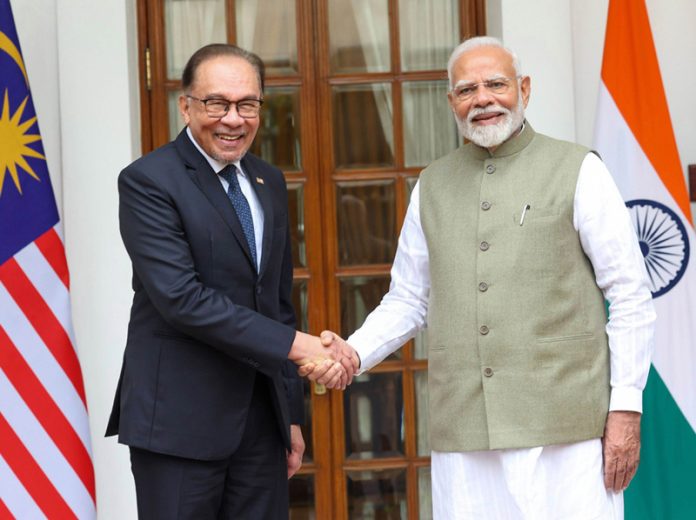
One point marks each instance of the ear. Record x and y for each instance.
(184, 108)
(526, 89)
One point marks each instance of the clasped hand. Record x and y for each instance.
(326, 359)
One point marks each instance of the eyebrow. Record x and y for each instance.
(471, 82)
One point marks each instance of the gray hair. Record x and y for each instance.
(480, 41)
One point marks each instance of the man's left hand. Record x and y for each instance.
(297, 447)
(621, 445)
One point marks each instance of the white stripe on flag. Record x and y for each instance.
(44, 451)
(44, 366)
(15, 497)
(675, 326)
(47, 283)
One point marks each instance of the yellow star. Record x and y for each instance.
(13, 144)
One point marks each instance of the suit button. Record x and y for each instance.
(488, 372)
(483, 287)
(259, 290)
(484, 246)
(490, 168)
(483, 329)
(485, 205)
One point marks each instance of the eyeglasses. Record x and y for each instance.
(465, 91)
(219, 107)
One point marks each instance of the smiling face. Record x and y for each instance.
(225, 139)
(488, 118)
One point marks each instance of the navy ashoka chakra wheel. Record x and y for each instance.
(663, 242)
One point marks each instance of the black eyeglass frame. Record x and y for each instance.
(229, 103)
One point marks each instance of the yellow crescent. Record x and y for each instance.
(9, 47)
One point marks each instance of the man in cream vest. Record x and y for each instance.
(510, 247)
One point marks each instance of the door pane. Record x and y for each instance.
(269, 28)
(301, 490)
(377, 494)
(359, 297)
(296, 212)
(358, 36)
(176, 123)
(373, 408)
(429, 127)
(363, 129)
(422, 437)
(299, 303)
(278, 139)
(425, 501)
(190, 24)
(366, 220)
(428, 32)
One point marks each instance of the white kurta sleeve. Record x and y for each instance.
(609, 240)
(402, 312)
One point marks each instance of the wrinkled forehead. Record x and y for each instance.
(481, 64)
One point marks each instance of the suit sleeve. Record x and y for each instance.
(156, 242)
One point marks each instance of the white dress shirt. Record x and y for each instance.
(608, 239)
(247, 190)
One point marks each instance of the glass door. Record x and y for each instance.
(355, 107)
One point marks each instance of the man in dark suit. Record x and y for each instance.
(209, 400)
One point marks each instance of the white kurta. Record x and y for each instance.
(532, 483)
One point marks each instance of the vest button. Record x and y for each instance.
(483, 287)
(484, 246)
(488, 372)
(485, 205)
(490, 168)
(483, 329)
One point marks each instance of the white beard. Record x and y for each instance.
(488, 136)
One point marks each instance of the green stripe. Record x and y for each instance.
(665, 485)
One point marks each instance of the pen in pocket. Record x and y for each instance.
(524, 212)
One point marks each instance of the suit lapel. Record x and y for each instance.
(206, 179)
(259, 183)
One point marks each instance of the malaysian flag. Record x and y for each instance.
(45, 455)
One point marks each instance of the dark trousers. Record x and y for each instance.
(249, 485)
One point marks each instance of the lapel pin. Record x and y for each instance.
(259, 180)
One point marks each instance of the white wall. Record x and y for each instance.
(539, 32)
(82, 66)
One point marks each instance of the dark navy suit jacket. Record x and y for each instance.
(204, 324)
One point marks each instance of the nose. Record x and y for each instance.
(232, 117)
(482, 97)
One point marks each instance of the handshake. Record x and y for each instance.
(326, 359)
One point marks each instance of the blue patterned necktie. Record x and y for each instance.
(241, 206)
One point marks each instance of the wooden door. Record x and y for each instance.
(355, 106)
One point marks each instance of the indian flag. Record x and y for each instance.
(634, 136)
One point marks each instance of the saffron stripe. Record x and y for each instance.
(44, 321)
(631, 73)
(30, 474)
(45, 410)
(51, 246)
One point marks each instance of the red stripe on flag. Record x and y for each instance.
(51, 246)
(30, 474)
(46, 411)
(5, 513)
(631, 73)
(44, 322)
